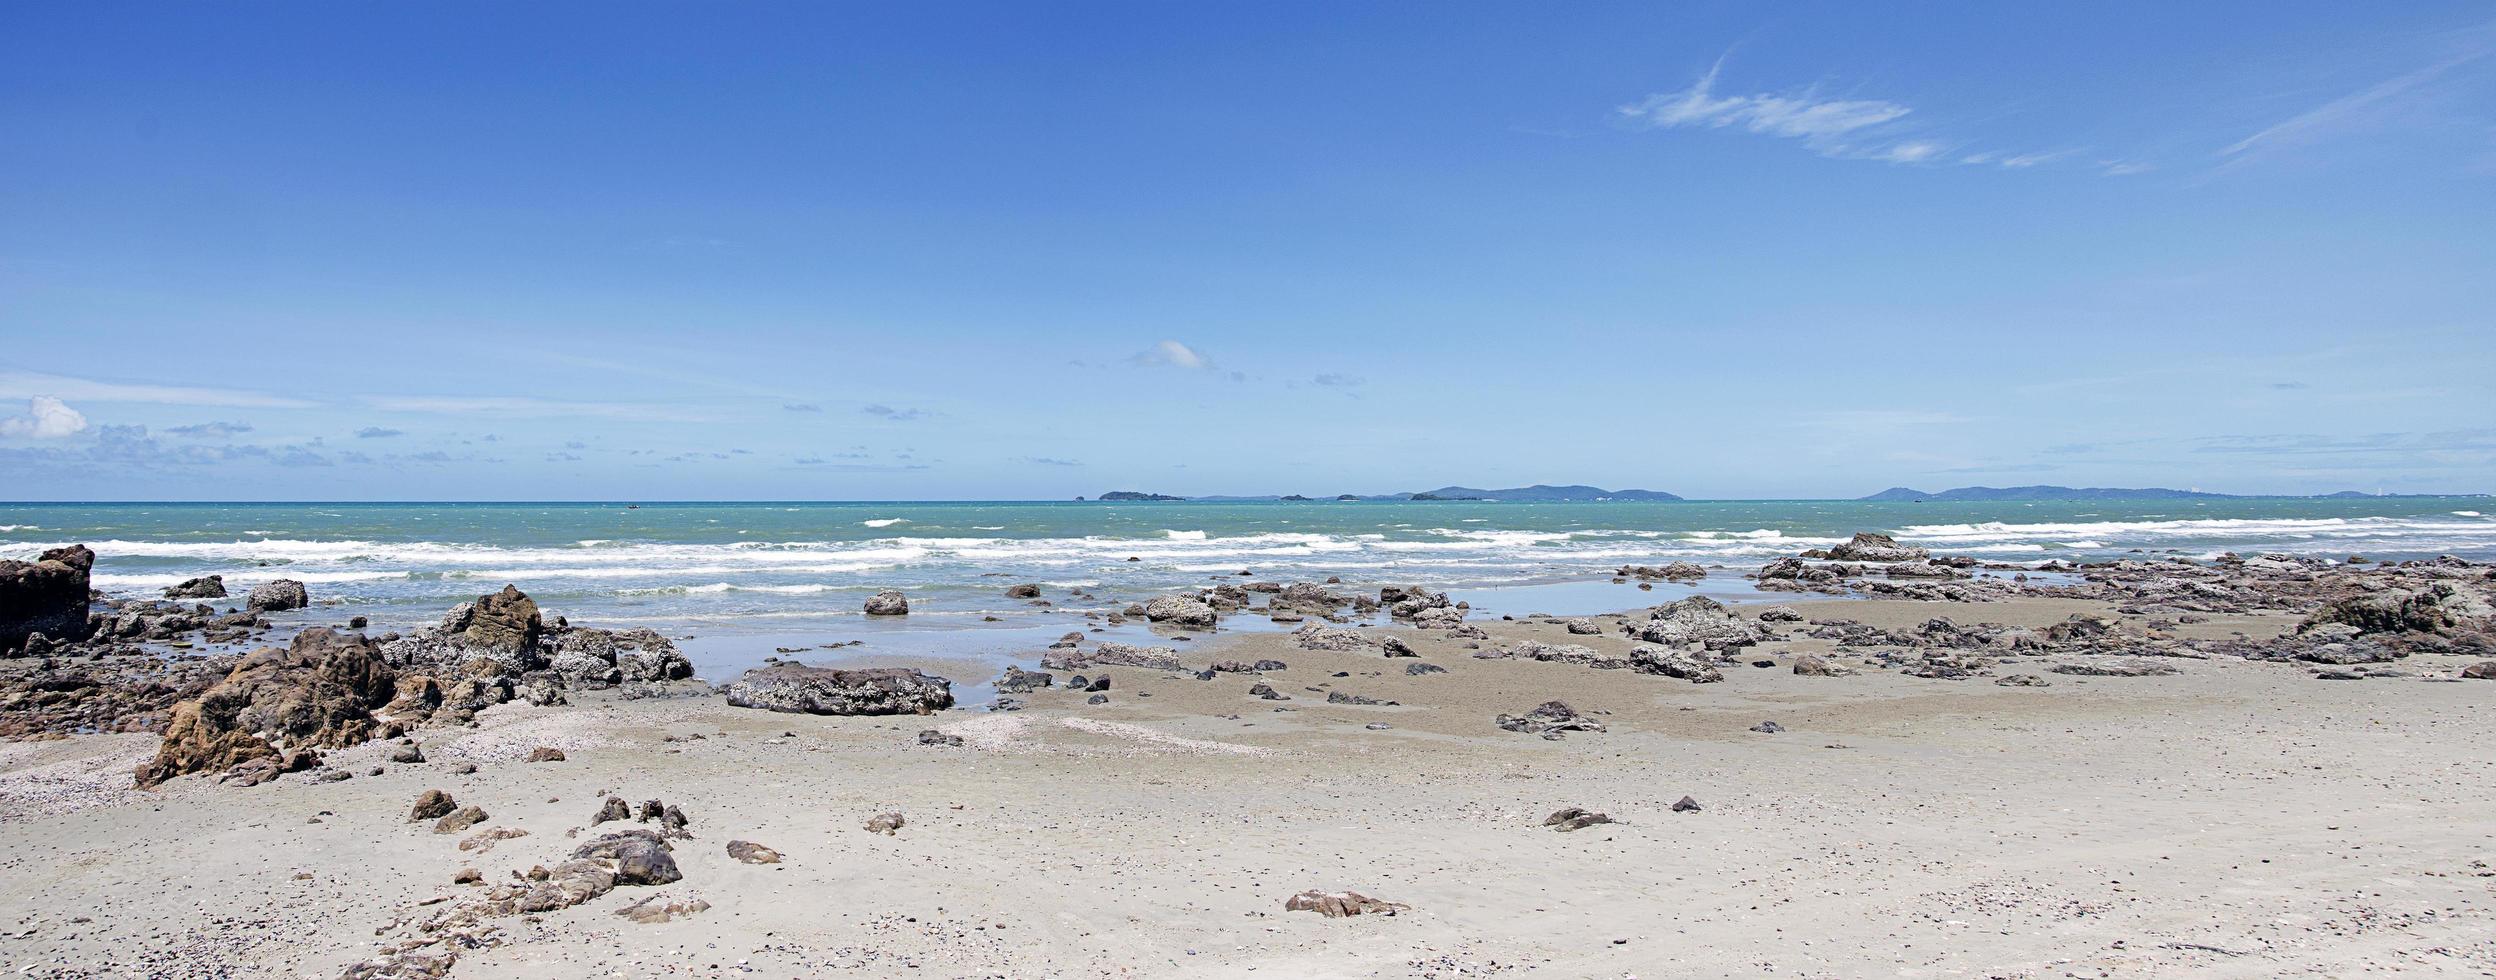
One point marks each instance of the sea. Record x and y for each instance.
(740, 581)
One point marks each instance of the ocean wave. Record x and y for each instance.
(6, 528)
(885, 521)
(1184, 535)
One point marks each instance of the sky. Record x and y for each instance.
(444, 251)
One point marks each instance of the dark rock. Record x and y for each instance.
(638, 857)
(204, 587)
(545, 753)
(933, 737)
(432, 804)
(752, 853)
(1575, 818)
(46, 596)
(459, 820)
(1686, 805)
(613, 808)
(889, 602)
(1549, 719)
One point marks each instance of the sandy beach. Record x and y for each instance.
(2232, 819)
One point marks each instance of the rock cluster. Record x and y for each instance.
(795, 687)
(276, 708)
(46, 597)
(1551, 719)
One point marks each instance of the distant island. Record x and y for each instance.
(1538, 493)
(1981, 494)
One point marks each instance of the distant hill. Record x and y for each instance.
(1964, 494)
(1134, 495)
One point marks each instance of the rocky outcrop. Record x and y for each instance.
(2434, 608)
(318, 692)
(592, 658)
(1181, 611)
(204, 587)
(1672, 663)
(794, 687)
(277, 596)
(1867, 546)
(1317, 637)
(1697, 621)
(889, 602)
(47, 596)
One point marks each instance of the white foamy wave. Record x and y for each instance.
(885, 521)
(1184, 535)
(6, 528)
(2458, 513)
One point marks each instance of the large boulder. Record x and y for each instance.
(1700, 621)
(1672, 663)
(318, 692)
(796, 687)
(47, 596)
(589, 658)
(498, 635)
(889, 602)
(1182, 611)
(278, 596)
(1867, 546)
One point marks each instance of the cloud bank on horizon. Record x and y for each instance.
(1703, 250)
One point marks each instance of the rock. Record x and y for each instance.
(407, 755)
(278, 596)
(1698, 621)
(1019, 681)
(614, 808)
(794, 687)
(459, 820)
(1395, 646)
(46, 596)
(1417, 670)
(2023, 680)
(1112, 655)
(752, 853)
(204, 587)
(1181, 611)
(467, 876)
(941, 739)
(1815, 665)
(1686, 805)
(319, 691)
(2435, 608)
(1575, 818)
(432, 804)
(889, 602)
(638, 857)
(1336, 905)
(1022, 592)
(2135, 668)
(655, 909)
(545, 753)
(885, 823)
(1549, 719)
(2484, 670)
(1582, 627)
(1672, 663)
(1870, 547)
(1780, 614)
(1345, 697)
(1768, 728)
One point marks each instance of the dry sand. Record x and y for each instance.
(2234, 820)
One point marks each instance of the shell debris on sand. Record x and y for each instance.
(53, 777)
(1161, 740)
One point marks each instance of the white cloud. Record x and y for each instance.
(46, 418)
(27, 384)
(1171, 353)
(2352, 111)
(1804, 116)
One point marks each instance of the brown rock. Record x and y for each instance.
(546, 753)
(319, 691)
(459, 820)
(1336, 905)
(433, 804)
(752, 853)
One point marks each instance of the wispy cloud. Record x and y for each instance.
(27, 384)
(2364, 108)
(1336, 380)
(1171, 353)
(891, 414)
(377, 432)
(46, 418)
(1838, 128)
(1049, 461)
(211, 430)
(801, 407)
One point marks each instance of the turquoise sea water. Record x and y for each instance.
(803, 568)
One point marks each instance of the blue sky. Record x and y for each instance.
(495, 251)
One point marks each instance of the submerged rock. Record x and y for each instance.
(796, 687)
(1181, 611)
(204, 587)
(889, 602)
